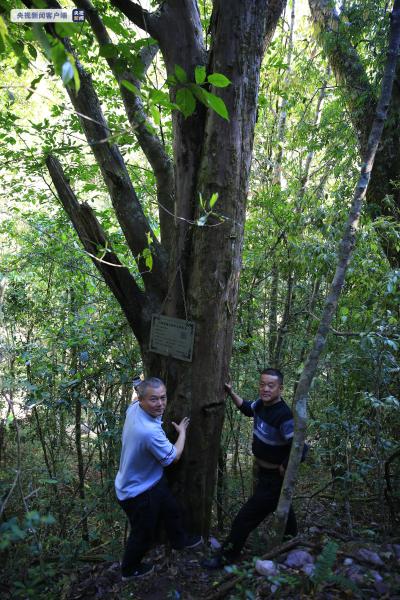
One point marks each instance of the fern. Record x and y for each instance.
(323, 572)
(325, 561)
(345, 584)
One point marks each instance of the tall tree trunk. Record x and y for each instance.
(195, 270)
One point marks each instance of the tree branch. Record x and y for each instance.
(143, 130)
(93, 238)
(123, 196)
(347, 67)
(128, 209)
(139, 16)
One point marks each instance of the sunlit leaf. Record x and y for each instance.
(218, 80)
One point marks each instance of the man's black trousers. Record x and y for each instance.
(144, 513)
(263, 502)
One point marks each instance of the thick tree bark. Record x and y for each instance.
(345, 250)
(383, 196)
(215, 252)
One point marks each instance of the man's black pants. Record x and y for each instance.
(263, 502)
(144, 513)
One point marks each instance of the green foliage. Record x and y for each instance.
(185, 101)
(186, 96)
(12, 531)
(324, 564)
(324, 574)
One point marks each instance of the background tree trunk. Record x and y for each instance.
(383, 195)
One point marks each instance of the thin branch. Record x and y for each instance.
(138, 15)
(6, 499)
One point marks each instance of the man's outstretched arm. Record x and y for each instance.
(180, 442)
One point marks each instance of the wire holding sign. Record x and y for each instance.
(172, 337)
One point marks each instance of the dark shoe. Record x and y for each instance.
(140, 571)
(192, 541)
(215, 562)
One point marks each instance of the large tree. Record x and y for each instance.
(195, 262)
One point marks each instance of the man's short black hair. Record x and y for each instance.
(152, 382)
(274, 372)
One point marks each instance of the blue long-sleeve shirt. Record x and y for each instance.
(145, 452)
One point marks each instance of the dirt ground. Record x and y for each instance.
(359, 570)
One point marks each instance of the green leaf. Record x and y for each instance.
(108, 51)
(129, 86)
(199, 93)
(218, 80)
(217, 104)
(77, 81)
(18, 47)
(114, 24)
(3, 30)
(180, 74)
(155, 113)
(200, 75)
(148, 258)
(59, 58)
(185, 101)
(210, 100)
(213, 199)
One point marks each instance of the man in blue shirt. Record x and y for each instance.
(141, 486)
(273, 428)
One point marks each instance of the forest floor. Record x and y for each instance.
(337, 555)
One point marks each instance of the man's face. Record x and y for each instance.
(154, 401)
(270, 389)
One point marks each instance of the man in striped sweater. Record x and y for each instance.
(273, 428)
